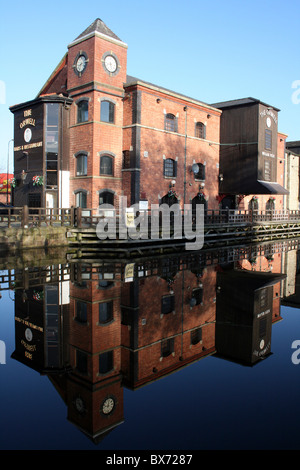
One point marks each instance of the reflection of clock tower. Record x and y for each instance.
(96, 72)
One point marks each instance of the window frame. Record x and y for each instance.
(166, 169)
(81, 156)
(81, 112)
(110, 111)
(109, 158)
(200, 128)
(170, 122)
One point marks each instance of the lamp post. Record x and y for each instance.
(7, 169)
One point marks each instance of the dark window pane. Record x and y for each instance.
(170, 123)
(169, 167)
(81, 362)
(107, 111)
(81, 199)
(167, 304)
(105, 362)
(81, 165)
(167, 347)
(106, 165)
(196, 336)
(105, 312)
(81, 311)
(82, 111)
(268, 139)
(262, 327)
(106, 198)
(200, 130)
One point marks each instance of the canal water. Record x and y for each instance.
(193, 351)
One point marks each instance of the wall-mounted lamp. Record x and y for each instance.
(23, 175)
(208, 116)
(220, 177)
(185, 108)
(193, 302)
(158, 100)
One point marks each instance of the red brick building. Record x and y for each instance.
(94, 133)
(109, 134)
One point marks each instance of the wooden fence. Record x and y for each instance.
(76, 217)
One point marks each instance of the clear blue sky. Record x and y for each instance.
(212, 50)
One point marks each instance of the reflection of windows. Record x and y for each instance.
(81, 362)
(106, 165)
(200, 130)
(262, 327)
(170, 168)
(170, 123)
(200, 175)
(81, 311)
(268, 139)
(167, 304)
(196, 336)
(107, 113)
(198, 295)
(126, 159)
(167, 347)
(105, 280)
(105, 312)
(80, 199)
(81, 165)
(106, 362)
(82, 111)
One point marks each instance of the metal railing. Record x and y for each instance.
(76, 217)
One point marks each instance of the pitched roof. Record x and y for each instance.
(241, 102)
(97, 27)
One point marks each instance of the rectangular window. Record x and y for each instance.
(106, 362)
(81, 199)
(107, 112)
(34, 200)
(262, 327)
(170, 168)
(268, 139)
(167, 304)
(81, 362)
(196, 336)
(81, 311)
(268, 171)
(105, 312)
(81, 165)
(167, 347)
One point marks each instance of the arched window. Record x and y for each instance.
(200, 130)
(107, 112)
(200, 174)
(106, 165)
(106, 197)
(80, 199)
(170, 168)
(82, 111)
(81, 164)
(170, 123)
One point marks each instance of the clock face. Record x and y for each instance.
(28, 334)
(27, 134)
(268, 122)
(110, 63)
(108, 405)
(81, 63)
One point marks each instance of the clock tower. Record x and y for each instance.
(97, 63)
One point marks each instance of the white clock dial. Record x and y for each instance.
(110, 63)
(80, 64)
(268, 122)
(28, 334)
(27, 134)
(108, 406)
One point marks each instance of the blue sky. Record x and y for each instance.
(213, 50)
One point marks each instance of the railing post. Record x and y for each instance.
(79, 216)
(24, 220)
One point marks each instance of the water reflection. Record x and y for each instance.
(97, 326)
